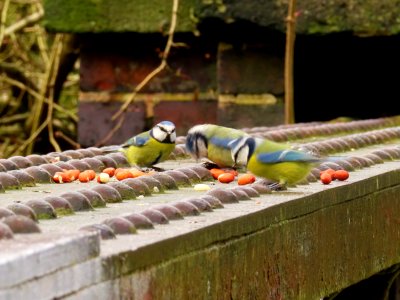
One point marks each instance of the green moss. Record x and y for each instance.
(45, 216)
(374, 17)
(362, 17)
(279, 252)
(64, 212)
(115, 16)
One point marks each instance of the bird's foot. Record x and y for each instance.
(277, 187)
(240, 169)
(209, 165)
(157, 169)
(274, 186)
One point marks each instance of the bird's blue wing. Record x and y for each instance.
(222, 142)
(139, 140)
(286, 156)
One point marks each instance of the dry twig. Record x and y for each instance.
(70, 141)
(162, 65)
(57, 52)
(37, 96)
(289, 53)
(33, 18)
(148, 78)
(29, 63)
(31, 138)
(111, 132)
(14, 118)
(44, 90)
(3, 19)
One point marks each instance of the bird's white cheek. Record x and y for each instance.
(173, 137)
(158, 134)
(202, 148)
(242, 157)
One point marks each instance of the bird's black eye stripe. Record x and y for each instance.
(197, 138)
(189, 142)
(196, 146)
(166, 131)
(204, 140)
(237, 154)
(252, 145)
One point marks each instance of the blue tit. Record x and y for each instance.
(273, 161)
(212, 142)
(150, 147)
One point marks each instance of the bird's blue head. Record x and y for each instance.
(166, 124)
(197, 142)
(164, 132)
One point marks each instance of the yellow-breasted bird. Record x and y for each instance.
(274, 161)
(150, 147)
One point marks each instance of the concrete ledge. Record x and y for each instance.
(292, 248)
(304, 243)
(30, 256)
(279, 209)
(68, 280)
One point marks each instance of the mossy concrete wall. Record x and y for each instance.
(303, 249)
(115, 16)
(371, 17)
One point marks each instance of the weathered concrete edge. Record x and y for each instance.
(45, 255)
(108, 274)
(105, 290)
(129, 261)
(287, 258)
(58, 283)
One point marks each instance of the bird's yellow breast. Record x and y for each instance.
(221, 156)
(284, 172)
(151, 153)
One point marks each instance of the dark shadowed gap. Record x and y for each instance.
(344, 75)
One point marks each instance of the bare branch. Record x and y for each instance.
(61, 135)
(56, 63)
(112, 132)
(162, 65)
(36, 95)
(29, 69)
(38, 105)
(17, 72)
(14, 118)
(24, 22)
(3, 19)
(32, 137)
